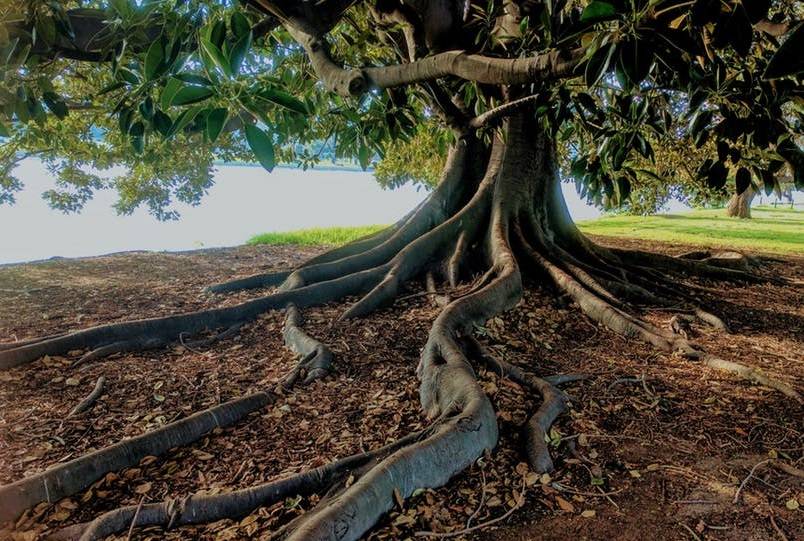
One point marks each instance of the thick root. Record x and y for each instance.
(155, 332)
(554, 403)
(256, 281)
(752, 374)
(316, 358)
(70, 477)
(202, 509)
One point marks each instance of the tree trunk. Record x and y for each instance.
(740, 204)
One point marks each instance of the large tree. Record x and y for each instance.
(511, 90)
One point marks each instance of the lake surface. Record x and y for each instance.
(244, 201)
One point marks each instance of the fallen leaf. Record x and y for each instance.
(565, 505)
(143, 488)
(588, 513)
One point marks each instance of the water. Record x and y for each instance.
(243, 202)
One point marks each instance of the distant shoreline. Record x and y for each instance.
(318, 167)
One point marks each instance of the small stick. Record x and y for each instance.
(482, 498)
(750, 475)
(87, 403)
(134, 520)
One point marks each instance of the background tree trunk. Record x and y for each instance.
(740, 204)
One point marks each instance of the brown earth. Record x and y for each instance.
(654, 446)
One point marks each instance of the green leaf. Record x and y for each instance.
(635, 60)
(240, 25)
(598, 11)
(169, 92)
(788, 59)
(162, 123)
(191, 94)
(716, 177)
(261, 145)
(743, 180)
(212, 52)
(124, 120)
(111, 88)
(186, 116)
(216, 120)
(193, 79)
(154, 60)
(137, 140)
(598, 64)
(364, 156)
(238, 52)
(55, 104)
(284, 99)
(4, 131)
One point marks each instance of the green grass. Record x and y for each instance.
(769, 230)
(315, 235)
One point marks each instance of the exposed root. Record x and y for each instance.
(144, 333)
(554, 403)
(202, 509)
(455, 183)
(205, 342)
(70, 477)
(88, 402)
(455, 260)
(118, 347)
(422, 251)
(316, 358)
(449, 390)
(256, 281)
(13, 345)
(752, 374)
(704, 268)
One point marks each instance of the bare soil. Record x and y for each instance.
(654, 446)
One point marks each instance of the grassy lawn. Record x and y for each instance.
(769, 230)
(315, 235)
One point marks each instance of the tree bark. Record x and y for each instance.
(740, 204)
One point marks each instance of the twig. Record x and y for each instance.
(491, 522)
(777, 528)
(694, 535)
(482, 497)
(134, 520)
(750, 475)
(563, 488)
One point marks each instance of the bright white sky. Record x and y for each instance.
(243, 202)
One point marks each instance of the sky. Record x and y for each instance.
(244, 201)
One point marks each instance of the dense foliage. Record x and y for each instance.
(666, 96)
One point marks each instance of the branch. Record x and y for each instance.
(501, 111)
(471, 67)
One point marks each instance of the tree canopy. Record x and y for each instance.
(166, 87)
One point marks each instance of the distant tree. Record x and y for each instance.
(492, 88)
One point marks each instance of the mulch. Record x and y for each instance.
(653, 445)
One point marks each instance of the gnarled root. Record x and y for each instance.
(316, 358)
(70, 477)
(554, 403)
(154, 332)
(201, 509)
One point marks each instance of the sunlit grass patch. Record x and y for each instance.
(315, 235)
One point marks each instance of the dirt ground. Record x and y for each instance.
(654, 446)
